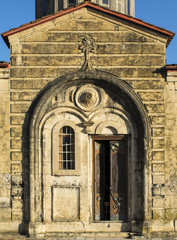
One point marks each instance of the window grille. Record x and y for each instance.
(106, 2)
(66, 148)
(71, 3)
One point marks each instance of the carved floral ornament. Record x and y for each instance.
(87, 98)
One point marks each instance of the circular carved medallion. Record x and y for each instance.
(87, 98)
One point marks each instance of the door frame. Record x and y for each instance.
(100, 137)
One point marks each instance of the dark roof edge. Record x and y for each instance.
(4, 64)
(79, 6)
(171, 67)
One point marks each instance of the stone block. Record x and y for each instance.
(118, 48)
(17, 215)
(171, 202)
(19, 108)
(171, 214)
(117, 36)
(88, 25)
(37, 73)
(5, 214)
(158, 120)
(158, 214)
(155, 108)
(158, 202)
(4, 202)
(163, 226)
(158, 190)
(140, 84)
(153, 48)
(4, 166)
(158, 143)
(17, 191)
(16, 168)
(16, 120)
(4, 85)
(23, 96)
(21, 84)
(16, 156)
(67, 60)
(158, 179)
(137, 60)
(16, 181)
(16, 132)
(148, 73)
(16, 204)
(50, 48)
(158, 168)
(158, 132)
(15, 144)
(151, 96)
(158, 155)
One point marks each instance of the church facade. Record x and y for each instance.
(88, 123)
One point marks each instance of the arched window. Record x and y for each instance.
(71, 3)
(66, 148)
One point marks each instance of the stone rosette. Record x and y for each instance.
(87, 98)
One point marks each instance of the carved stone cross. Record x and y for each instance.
(87, 46)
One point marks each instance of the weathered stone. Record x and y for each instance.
(158, 214)
(17, 215)
(23, 96)
(121, 90)
(158, 179)
(4, 202)
(15, 144)
(151, 96)
(5, 214)
(19, 108)
(158, 168)
(17, 120)
(16, 168)
(16, 156)
(158, 202)
(16, 132)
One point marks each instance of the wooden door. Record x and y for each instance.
(110, 177)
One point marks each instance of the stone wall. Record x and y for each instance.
(135, 55)
(5, 163)
(171, 145)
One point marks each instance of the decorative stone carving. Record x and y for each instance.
(114, 146)
(87, 46)
(87, 98)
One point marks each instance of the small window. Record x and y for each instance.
(71, 3)
(106, 2)
(44, 7)
(66, 148)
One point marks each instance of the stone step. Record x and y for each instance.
(12, 237)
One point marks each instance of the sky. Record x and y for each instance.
(162, 13)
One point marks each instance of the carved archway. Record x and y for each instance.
(132, 107)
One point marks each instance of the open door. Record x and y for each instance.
(111, 179)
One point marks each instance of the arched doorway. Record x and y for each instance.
(109, 128)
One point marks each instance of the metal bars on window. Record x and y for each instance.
(66, 148)
(106, 2)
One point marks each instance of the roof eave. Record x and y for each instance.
(6, 34)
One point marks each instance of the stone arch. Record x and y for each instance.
(131, 104)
